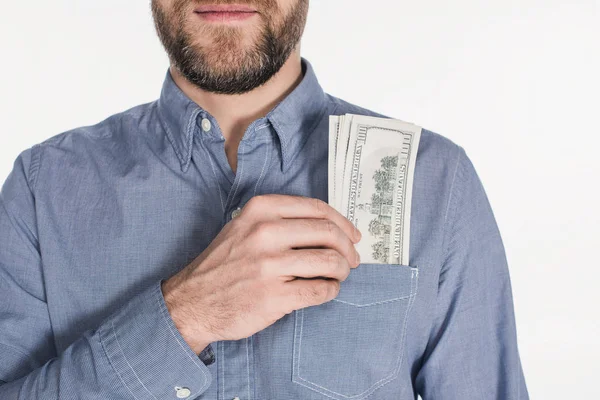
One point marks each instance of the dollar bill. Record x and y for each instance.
(371, 170)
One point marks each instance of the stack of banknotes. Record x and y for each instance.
(371, 168)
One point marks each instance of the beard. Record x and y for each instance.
(228, 66)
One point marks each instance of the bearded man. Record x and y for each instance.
(185, 248)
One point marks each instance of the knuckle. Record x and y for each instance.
(332, 259)
(330, 227)
(255, 204)
(332, 263)
(320, 207)
(338, 265)
(328, 258)
(313, 293)
(262, 231)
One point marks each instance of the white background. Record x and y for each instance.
(515, 82)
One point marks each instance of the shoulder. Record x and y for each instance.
(74, 147)
(102, 130)
(434, 148)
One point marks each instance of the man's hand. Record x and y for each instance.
(253, 273)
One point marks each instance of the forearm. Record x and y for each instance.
(136, 352)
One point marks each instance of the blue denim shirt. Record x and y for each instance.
(93, 219)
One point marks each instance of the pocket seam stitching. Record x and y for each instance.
(374, 303)
(383, 381)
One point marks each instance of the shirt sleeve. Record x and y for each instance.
(134, 353)
(472, 350)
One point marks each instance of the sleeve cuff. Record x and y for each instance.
(147, 351)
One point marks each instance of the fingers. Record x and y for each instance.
(308, 263)
(286, 206)
(301, 293)
(286, 234)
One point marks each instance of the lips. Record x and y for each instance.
(225, 8)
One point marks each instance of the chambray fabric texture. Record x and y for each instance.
(94, 218)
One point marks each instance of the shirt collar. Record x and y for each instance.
(293, 118)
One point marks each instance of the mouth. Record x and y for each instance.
(225, 12)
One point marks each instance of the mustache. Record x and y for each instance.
(259, 5)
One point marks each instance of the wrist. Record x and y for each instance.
(196, 343)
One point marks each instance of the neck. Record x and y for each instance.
(235, 112)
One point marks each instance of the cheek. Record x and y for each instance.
(285, 7)
(292, 11)
(179, 7)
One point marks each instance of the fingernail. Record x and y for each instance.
(357, 258)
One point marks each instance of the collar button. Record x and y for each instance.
(182, 392)
(205, 124)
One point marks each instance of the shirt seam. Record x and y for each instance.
(105, 341)
(34, 167)
(450, 215)
(452, 200)
(11, 218)
(127, 361)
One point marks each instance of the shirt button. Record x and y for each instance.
(236, 398)
(182, 392)
(236, 212)
(205, 124)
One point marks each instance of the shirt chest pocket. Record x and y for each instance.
(350, 346)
